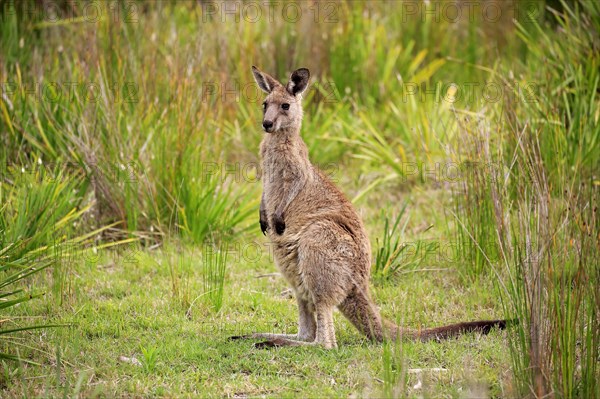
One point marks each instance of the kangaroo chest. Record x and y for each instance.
(284, 164)
(273, 181)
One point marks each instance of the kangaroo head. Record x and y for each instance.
(282, 109)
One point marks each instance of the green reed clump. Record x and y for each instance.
(550, 274)
(530, 216)
(395, 253)
(478, 200)
(214, 264)
(41, 214)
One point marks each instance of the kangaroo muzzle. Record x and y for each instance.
(268, 126)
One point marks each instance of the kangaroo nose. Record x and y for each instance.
(267, 125)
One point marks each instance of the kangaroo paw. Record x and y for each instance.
(279, 222)
(264, 225)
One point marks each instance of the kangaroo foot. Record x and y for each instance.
(279, 342)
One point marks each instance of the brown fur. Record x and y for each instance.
(319, 241)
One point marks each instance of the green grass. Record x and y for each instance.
(127, 309)
(395, 254)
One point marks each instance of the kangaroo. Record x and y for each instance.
(319, 241)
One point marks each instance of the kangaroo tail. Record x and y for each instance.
(453, 330)
(364, 315)
(439, 333)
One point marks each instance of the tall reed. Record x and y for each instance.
(530, 217)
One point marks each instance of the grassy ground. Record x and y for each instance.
(139, 325)
(126, 307)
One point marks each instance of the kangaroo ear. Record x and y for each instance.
(264, 81)
(298, 81)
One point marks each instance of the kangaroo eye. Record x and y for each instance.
(265, 105)
(285, 106)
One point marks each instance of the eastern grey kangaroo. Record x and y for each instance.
(319, 241)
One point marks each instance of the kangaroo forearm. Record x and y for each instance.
(263, 206)
(264, 224)
(290, 195)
